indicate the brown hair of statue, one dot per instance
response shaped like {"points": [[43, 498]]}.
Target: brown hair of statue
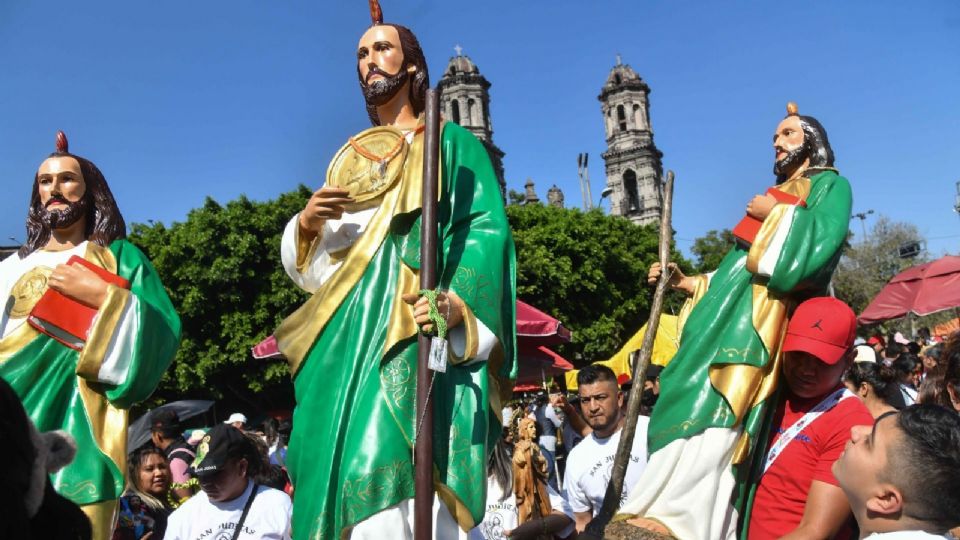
{"points": [[104, 222]]}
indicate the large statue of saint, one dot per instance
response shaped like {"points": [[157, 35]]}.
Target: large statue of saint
{"points": [[715, 394], [352, 346], [84, 388]]}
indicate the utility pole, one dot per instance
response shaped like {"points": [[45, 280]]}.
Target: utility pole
{"points": [[862, 216], [584, 175]]}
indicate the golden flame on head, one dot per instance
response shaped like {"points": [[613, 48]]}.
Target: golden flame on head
{"points": [[792, 108]]}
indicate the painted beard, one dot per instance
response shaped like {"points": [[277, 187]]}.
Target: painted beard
{"points": [[61, 219], [793, 159], [382, 91]]}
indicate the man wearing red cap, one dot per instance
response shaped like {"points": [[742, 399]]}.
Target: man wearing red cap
{"points": [[797, 495]]}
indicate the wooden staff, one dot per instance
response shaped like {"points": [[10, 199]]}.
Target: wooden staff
{"points": [[639, 361], [423, 451]]}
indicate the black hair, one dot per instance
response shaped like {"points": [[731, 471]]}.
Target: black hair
{"points": [[816, 141], [595, 373], [893, 349], [926, 466], [270, 428], [905, 364], [500, 467], [934, 351], [881, 378], [913, 347], [166, 423]]}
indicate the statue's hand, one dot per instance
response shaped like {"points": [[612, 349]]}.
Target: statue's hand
{"points": [[678, 280], [325, 203], [761, 205], [80, 283], [449, 305]]}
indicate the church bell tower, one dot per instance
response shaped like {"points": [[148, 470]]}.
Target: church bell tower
{"points": [[633, 167], [465, 100]]}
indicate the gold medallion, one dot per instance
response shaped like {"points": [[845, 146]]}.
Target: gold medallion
{"points": [[369, 164], [28, 290]]}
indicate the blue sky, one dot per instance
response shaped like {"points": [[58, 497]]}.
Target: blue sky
{"points": [[179, 100]]}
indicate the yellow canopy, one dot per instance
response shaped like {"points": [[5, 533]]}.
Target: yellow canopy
{"points": [[664, 347]]}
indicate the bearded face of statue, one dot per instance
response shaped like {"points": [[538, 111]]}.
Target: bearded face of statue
{"points": [[789, 146], [381, 65], [62, 191]]}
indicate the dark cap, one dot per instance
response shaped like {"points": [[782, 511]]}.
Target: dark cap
{"points": [[165, 422], [824, 327], [220, 444]]}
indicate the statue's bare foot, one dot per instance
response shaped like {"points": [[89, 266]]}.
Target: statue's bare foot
{"points": [[637, 529]]}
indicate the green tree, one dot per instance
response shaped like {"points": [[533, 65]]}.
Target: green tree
{"points": [[866, 266], [589, 270], [223, 272], [711, 248]]}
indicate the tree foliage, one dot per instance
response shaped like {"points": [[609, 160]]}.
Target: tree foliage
{"points": [[868, 265], [711, 248], [222, 269], [587, 269]]}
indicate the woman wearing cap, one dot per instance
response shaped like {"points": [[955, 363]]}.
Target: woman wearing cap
{"points": [[143, 505], [228, 466]]}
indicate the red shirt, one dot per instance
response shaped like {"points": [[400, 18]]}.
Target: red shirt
{"points": [[782, 493]]}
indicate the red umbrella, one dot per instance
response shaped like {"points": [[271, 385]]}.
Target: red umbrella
{"points": [[536, 327], [537, 363], [922, 290]]}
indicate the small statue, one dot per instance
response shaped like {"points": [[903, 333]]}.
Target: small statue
{"points": [[529, 474]]}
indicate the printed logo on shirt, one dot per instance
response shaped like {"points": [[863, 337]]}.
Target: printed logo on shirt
{"points": [[225, 532], [604, 469]]}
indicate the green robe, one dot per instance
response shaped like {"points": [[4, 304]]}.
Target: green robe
{"points": [[725, 371], [60, 387], [350, 450]]}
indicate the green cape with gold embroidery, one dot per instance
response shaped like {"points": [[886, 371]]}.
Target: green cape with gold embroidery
{"points": [[353, 353]]}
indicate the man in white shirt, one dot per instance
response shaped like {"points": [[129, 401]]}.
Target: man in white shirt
{"points": [[901, 474], [226, 463], [590, 463]]}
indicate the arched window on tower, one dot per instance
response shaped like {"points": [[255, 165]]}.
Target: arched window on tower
{"points": [[621, 118], [471, 111], [632, 202], [617, 79], [456, 112], [638, 117]]}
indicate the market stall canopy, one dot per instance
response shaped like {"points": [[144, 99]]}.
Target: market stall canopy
{"points": [[665, 345], [536, 364], [536, 327], [921, 290]]}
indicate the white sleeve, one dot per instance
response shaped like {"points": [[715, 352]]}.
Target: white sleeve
{"points": [[485, 342], [313, 275], [122, 347], [551, 415]]}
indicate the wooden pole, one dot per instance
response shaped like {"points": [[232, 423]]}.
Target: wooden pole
{"points": [[639, 361], [423, 451]]}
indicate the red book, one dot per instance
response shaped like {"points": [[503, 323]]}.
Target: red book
{"points": [[749, 226], [65, 319]]}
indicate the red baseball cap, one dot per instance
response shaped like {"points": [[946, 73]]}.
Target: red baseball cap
{"points": [[824, 327]]}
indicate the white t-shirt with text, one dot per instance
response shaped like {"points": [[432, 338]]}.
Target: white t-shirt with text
{"points": [[202, 519], [501, 516], [589, 467]]}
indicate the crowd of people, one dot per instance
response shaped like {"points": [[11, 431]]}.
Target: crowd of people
{"points": [[865, 439]]}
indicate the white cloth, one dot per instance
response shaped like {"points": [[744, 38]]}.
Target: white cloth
{"points": [[396, 523], [202, 519], [590, 463], [909, 395], [501, 515], [907, 535], [116, 362], [688, 504]]}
